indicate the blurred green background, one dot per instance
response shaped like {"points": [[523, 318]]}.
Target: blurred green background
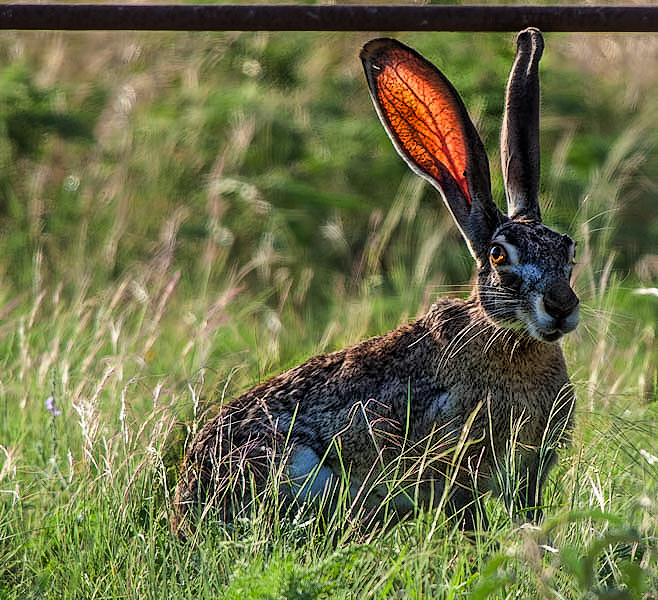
{"points": [[253, 163]]}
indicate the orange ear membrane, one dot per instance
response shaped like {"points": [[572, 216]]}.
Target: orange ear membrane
{"points": [[421, 109]]}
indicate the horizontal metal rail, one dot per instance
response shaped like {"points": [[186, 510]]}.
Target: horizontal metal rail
{"points": [[160, 17]]}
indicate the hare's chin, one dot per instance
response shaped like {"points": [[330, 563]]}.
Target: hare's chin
{"points": [[552, 336]]}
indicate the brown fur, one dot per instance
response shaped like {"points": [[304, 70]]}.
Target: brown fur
{"points": [[375, 387]]}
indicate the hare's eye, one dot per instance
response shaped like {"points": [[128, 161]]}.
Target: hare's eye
{"points": [[498, 255]]}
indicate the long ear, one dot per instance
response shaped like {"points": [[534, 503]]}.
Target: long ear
{"points": [[430, 128], [519, 142]]}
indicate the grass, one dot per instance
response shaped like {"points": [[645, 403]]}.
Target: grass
{"points": [[155, 262], [86, 493]]}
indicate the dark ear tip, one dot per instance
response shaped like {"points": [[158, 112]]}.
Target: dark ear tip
{"points": [[530, 40], [375, 47]]}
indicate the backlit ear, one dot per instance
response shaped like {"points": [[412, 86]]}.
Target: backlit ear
{"points": [[430, 128], [519, 146]]}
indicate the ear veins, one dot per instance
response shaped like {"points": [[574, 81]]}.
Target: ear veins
{"points": [[427, 125]]}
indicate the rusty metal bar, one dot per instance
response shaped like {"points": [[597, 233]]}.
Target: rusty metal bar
{"points": [[159, 17]]}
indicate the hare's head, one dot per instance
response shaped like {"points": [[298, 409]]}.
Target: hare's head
{"points": [[524, 267]]}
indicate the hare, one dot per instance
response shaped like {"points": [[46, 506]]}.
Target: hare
{"points": [[467, 398]]}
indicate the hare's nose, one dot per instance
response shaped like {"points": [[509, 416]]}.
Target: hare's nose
{"points": [[560, 300]]}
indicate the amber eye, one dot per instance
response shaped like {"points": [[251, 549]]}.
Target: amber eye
{"points": [[498, 255]]}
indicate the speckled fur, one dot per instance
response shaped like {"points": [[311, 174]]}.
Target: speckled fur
{"points": [[480, 361]]}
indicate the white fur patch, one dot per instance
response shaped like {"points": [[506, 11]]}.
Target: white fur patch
{"points": [[543, 318], [443, 402], [308, 476], [438, 410]]}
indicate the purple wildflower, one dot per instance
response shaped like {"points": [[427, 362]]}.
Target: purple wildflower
{"points": [[50, 407]]}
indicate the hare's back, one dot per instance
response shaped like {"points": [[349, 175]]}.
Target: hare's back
{"points": [[320, 398], [349, 399]]}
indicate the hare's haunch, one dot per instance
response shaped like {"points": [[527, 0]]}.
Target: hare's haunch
{"points": [[438, 411]]}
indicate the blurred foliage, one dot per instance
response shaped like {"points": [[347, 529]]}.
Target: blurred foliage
{"points": [[261, 153]]}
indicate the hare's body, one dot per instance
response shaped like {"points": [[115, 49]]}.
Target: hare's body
{"points": [[349, 411], [462, 395]]}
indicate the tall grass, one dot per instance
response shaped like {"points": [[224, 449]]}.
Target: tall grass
{"points": [[181, 217], [85, 493]]}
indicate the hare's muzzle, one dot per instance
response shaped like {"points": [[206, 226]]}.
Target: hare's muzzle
{"points": [[560, 301], [562, 306]]}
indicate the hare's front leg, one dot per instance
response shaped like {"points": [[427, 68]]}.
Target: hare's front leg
{"points": [[466, 506], [532, 474], [535, 462], [518, 478]]}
